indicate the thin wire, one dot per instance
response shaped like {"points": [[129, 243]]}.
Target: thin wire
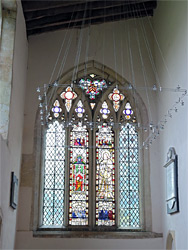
{"points": [[144, 75], [132, 70], [88, 41], [149, 50], [62, 45], [79, 46], [157, 43]]}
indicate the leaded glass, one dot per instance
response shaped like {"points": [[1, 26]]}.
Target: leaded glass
{"points": [[56, 109], [54, 172], [128, 111], [116, 97], [80, 110], [92, 87], [79, 157], [68, 95], [105, 111], [105, 177], [129, 203]]}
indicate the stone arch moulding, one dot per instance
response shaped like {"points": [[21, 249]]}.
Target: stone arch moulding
{"points": [[142, 117]]}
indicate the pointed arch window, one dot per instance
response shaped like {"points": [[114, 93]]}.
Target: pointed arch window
{"points": [[91, 160]]}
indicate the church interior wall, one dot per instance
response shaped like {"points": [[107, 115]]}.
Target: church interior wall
{"points": [[12, 147], [43, 52], [170, 26], [170, 22]]}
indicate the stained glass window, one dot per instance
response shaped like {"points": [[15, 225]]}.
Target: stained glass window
{"points": [[54, 175], [68, 95], [116, 97], [113, 174], [105, 177], [92, 88], [129, 177], [105, 111], [79, 157]]}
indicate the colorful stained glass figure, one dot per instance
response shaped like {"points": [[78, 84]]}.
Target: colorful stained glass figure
{"points": [[129, 177], [68, 95], [56, 109], [105, 111], [79, 176], [54, 173], [92, 87], [105, 177], [128, 111], [92, 104], [116, 97], [80, 110]]}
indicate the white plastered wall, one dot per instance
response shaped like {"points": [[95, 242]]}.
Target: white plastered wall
{"points": [[11, 148], [171, 27]]}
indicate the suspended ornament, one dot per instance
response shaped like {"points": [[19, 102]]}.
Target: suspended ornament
{"points": [[68, 95], [80, 110], [104, 111], [56, 109], [128, 111], [116, 97], [92, 88], [92, 104]]}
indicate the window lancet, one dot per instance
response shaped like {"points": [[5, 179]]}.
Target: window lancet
{"points": [[54, 174]]}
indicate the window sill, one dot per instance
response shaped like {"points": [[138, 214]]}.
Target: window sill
{"points": [[93, 234]]}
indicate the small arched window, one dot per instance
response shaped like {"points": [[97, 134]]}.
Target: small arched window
{"points": [[91, 168]]}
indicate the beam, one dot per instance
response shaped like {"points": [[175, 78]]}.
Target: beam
{"points": [[68, 9], [40, 30], [90, 15]]}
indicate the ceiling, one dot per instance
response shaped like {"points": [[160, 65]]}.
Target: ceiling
{"points": [[44, 16]]}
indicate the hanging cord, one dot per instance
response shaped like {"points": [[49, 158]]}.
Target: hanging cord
{"points": [[104, 19], [63, 60], [144, 75], [62, 45], [75, 71], [144, 35], [133, 90], [88, 41], [55, 66], [114, 45], [141, 24], [158, 44]]}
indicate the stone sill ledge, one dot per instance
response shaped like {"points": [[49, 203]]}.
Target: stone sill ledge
{"points": [[98, 235]]}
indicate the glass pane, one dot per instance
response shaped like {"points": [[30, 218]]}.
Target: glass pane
{"points": [[79, 157], [105, 177], [129, 178], [54, 168]]}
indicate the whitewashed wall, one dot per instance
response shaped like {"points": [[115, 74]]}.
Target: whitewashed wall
{"points": [[171, 28], [11, 148]]}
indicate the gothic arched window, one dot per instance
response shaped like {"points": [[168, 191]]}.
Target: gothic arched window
{"points": [[91, 158]]}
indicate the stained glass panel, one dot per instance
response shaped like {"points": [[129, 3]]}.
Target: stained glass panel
{"points": [[54, 172], [129, 178], [92, 88], [116, 97], [68, 95], [79, 157], [105, 177]]}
